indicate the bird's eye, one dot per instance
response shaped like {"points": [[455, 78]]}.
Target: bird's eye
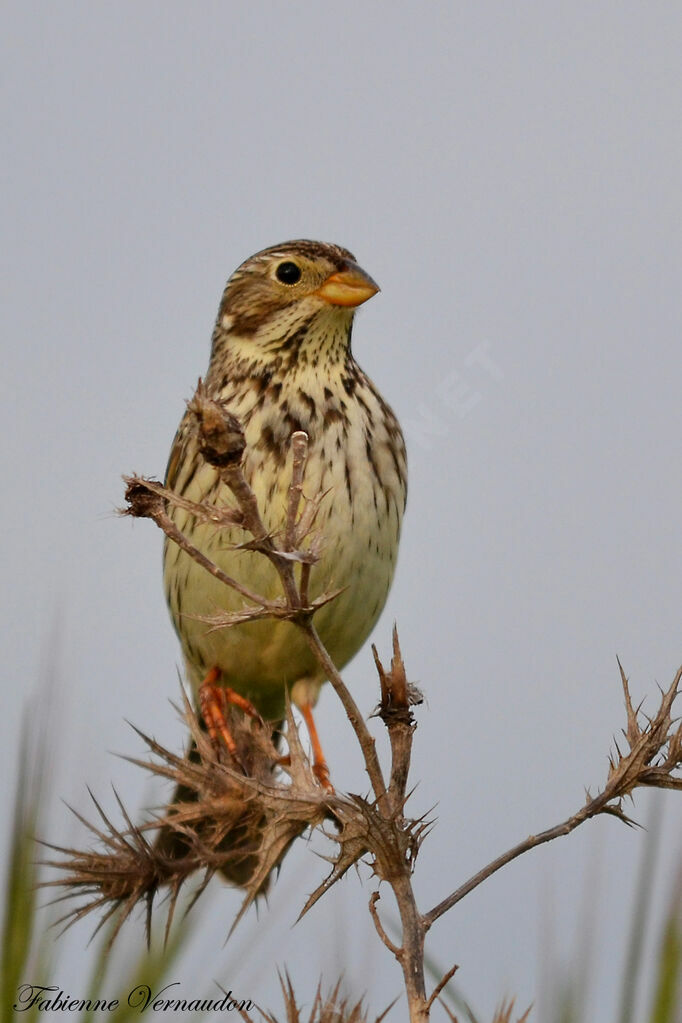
{"points": [[288, 273]]}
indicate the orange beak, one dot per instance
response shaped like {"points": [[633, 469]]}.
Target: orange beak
{"points": [[350, 287]]}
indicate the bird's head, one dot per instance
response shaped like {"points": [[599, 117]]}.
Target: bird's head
{"points": [[296, 294]]}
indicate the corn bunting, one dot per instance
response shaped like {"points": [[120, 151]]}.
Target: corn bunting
{"points": [[281, 361]]}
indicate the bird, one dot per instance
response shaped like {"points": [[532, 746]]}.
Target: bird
{"points": [[281, 361]]}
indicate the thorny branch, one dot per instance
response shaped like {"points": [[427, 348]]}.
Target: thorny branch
{"points": [[654, 754], [130, 869]]}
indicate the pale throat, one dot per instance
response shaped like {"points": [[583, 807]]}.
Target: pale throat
{"points": [[297, 347]]}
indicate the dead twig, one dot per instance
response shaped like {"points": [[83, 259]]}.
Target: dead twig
{"points": [[654, 754], [374, 913], [440, 986]]}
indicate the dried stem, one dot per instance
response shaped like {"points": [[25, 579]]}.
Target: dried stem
{"points": [[654, 753], [299, 446], [441, 985], [142, 504], [364, 736], [565, 828], [374, 913], [397, 696]]}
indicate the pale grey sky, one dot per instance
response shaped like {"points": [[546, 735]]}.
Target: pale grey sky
{"points": [[510, 176]]}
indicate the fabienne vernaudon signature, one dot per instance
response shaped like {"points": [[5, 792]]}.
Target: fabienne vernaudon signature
{"points": [[51, 998]]}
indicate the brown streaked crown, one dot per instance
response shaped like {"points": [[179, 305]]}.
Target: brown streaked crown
{"points": [[336, 254]]}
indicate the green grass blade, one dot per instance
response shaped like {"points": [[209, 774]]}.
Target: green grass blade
{"points": [[666, 1003], [634, 959], [153, 967], [21, 876]]}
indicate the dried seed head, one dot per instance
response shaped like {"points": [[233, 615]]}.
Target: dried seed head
{"points": [[141, 501], [221, 438]]}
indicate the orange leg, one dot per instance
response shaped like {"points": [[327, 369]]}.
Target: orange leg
{"points": [[214, 700], [320, 768]]}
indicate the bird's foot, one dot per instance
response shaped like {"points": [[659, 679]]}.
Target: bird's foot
{"points": [[321, 772], [320, 768], [214, 700]]}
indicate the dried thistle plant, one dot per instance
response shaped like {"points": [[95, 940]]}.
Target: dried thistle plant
{"points": [[269, 808], [267, 812], [331, 1008], [504, 1014]]}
